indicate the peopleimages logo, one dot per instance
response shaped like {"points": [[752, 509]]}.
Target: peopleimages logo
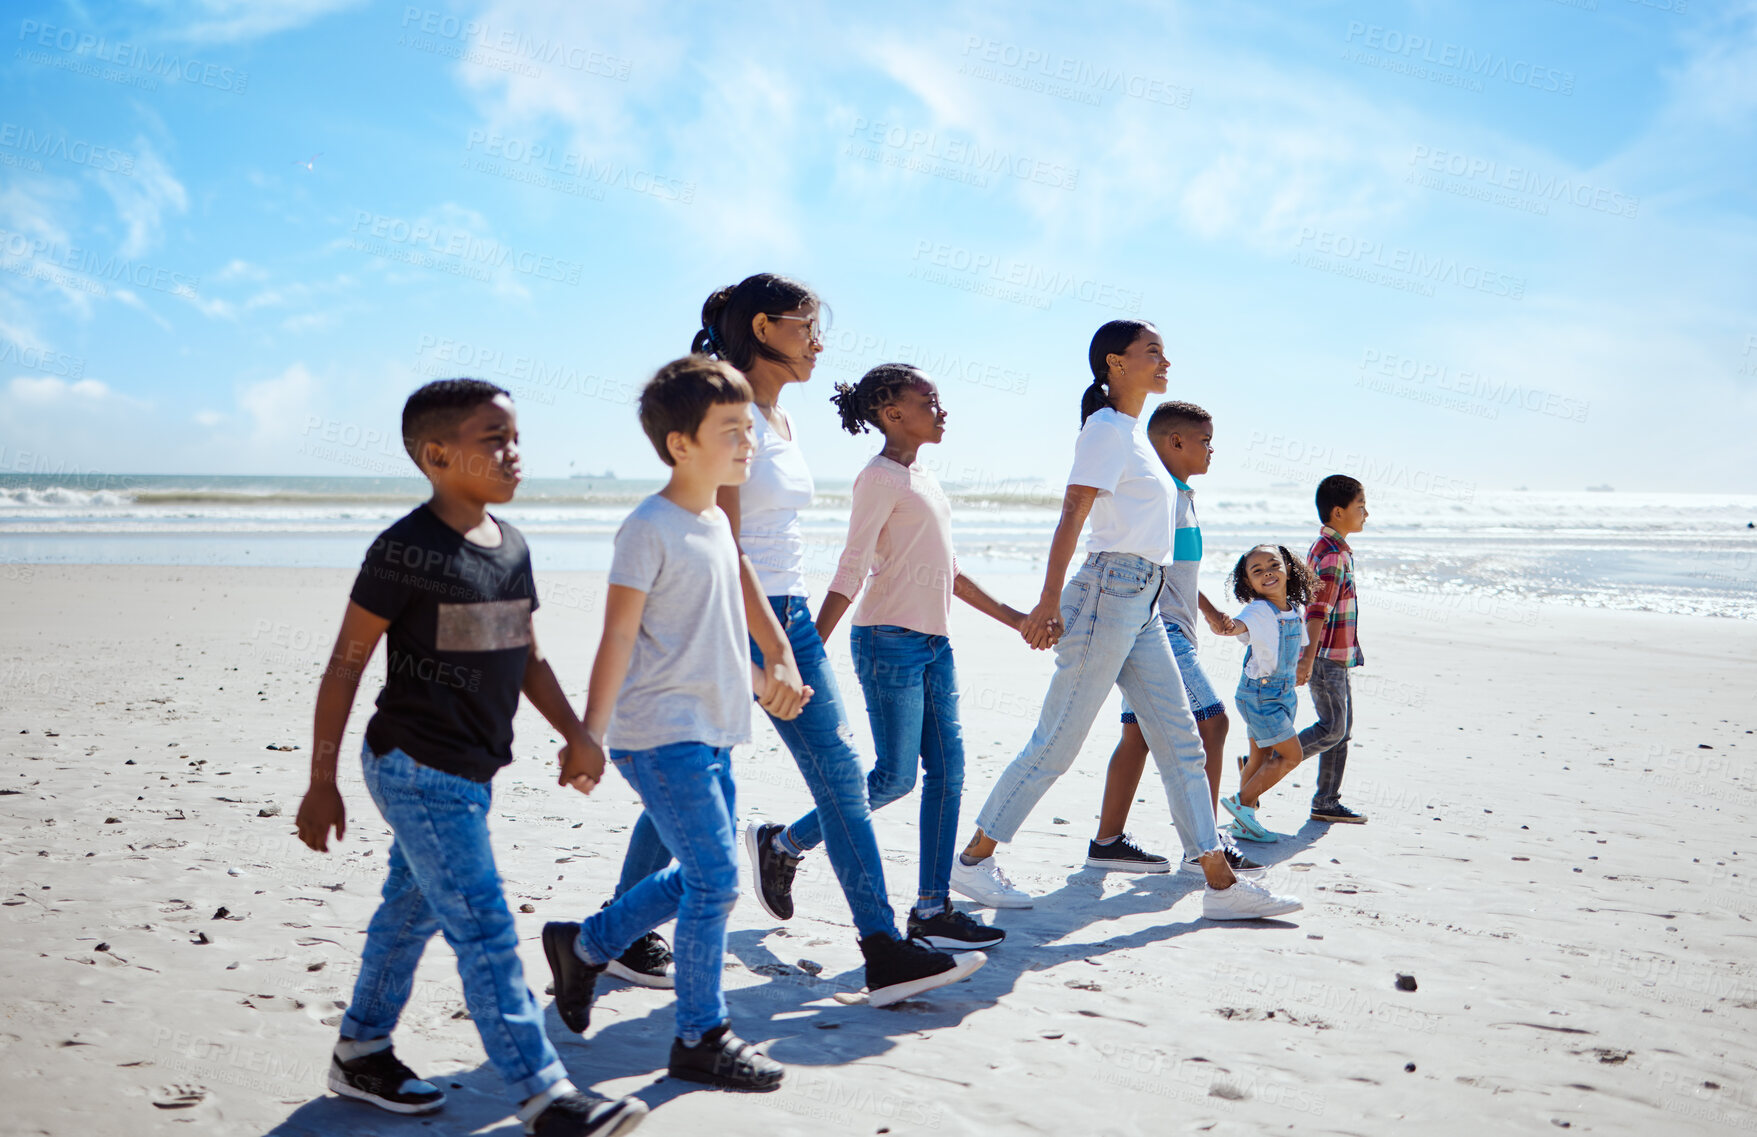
{"points": [[1410, 263], [129, 57], [1406, 49]]}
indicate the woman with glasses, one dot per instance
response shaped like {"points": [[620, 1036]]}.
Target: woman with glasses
{"points": [[769, 327]]}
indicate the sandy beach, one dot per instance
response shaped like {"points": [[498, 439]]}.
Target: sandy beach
{"points": [[1560, 852]]}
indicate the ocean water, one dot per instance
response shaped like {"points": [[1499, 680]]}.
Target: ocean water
{"points": [[1493, 553]]}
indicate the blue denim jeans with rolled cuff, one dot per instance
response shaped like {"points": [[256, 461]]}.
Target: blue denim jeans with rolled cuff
{"points": [[1334, 702], [690, 799], [822, 746], [442, 878], [911, 689], [1112, 636]]}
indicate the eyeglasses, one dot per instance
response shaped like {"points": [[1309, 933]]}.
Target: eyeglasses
{"points": [[814, 328]]}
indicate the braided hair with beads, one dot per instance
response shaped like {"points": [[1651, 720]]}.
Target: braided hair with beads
{"points": [[859, 403]]}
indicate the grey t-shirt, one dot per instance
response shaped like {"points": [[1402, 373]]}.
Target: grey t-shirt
{"points": [[689, 677]]}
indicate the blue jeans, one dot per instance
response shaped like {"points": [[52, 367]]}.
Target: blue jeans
{"points": [[1329, 735], [911, 693], [822, 746], [646, 854], [687, 789], [1203, 701], [1112, 636], [442, 879]]}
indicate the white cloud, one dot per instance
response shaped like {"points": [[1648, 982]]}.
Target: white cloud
{"points": [[239, 269], [132, 300], [276, 407], [143, 199], [232, 21], [50, 390]]}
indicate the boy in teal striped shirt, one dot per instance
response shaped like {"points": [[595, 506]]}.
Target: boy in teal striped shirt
{"points": [[1183, 436]]}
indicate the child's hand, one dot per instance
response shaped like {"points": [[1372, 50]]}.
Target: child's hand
{"points": [[1223, 625], [582, 765], [1043, 627], [1303, 671], [321, 811]]}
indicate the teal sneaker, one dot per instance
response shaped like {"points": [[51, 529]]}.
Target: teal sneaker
{"points": [[1239, 833], [1246, 817]]}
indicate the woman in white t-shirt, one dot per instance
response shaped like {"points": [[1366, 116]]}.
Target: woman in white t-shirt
{"points": [[769, 327], [1107, 632]]}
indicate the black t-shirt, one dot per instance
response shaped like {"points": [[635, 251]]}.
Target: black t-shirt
{"points": [[460, 629]]}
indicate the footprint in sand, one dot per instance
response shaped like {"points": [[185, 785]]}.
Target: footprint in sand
{"points": [[179, 1097]]}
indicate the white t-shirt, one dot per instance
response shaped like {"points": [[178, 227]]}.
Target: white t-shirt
{"points": [[1262, 621], [780, 486], [1136, 508]]}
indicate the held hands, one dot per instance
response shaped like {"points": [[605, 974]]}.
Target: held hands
{"points": [[780, 691], [319, 812], [1303, 672], [582, 764], [1223, 625], [1042, 627]]}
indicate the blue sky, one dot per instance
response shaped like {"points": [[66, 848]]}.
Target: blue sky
{"points": [[1503, 243]]}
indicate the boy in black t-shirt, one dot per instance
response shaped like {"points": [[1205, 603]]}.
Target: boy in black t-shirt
{"points": [[452, 587]]}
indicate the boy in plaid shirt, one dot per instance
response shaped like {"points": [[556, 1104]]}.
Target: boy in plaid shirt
{"points": [[1332, 647]]}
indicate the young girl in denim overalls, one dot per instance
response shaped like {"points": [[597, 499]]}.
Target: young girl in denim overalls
{"points": [[1274, 586]]}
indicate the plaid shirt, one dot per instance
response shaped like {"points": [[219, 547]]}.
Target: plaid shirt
{"points": [[1334, 599]]}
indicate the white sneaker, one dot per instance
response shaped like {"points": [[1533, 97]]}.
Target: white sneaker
{"points": [[1245, 900], [985, 883]]}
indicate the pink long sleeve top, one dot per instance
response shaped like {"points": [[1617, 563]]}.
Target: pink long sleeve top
{"points": [[899, 549]]}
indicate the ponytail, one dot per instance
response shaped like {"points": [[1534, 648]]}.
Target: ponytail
{"points": [[1094, 399], [859, 403], [708, 341], [727, 314], [1113, 338]]}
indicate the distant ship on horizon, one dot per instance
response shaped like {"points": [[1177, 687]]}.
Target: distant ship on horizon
{"points": [[607, 474]]}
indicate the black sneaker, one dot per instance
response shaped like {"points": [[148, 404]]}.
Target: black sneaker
{"points": [[385, 1082], [1242, 866], [646, 963], [897, 969], [1124, 855], [771, 870], [952, 930], [576, 981], [724, 1060], [1339, 813], [580, 1114]]}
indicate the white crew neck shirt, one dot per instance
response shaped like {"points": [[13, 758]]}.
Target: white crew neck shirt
{"points": [[769, 502], [1136, 508]]}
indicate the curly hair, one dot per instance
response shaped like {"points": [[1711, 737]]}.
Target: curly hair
{"points": [[1301, 584], [859, 403]]}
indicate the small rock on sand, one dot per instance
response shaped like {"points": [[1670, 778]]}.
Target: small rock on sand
{"points": [[1405, 982]]}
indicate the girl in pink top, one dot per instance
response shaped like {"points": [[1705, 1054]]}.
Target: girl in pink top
{"points": [[899, 551]]}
